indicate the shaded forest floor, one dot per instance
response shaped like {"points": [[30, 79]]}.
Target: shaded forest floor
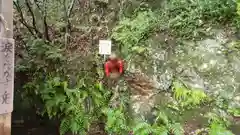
{"points": [[31, 124]]}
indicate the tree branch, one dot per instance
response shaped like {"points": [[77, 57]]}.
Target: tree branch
{"points": [[70, 8], [22, 20], [66, 39], [27, 2], [44, 14], [36, 2], [68, 12], [46, 35]]}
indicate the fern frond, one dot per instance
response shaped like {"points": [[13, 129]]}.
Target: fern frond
{"points": [[176, 129], [198, 96], [64, 126], [218, 129], [116, 121], [160, 130], [162, 117], [142, 129], [180, 92]]}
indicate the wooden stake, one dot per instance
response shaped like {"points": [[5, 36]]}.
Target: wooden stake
{"points": [[6, 10]]}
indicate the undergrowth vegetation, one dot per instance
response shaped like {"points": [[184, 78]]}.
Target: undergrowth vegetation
{"points": [[70, 83], [188, 97], [190, 18], [131, 31]]}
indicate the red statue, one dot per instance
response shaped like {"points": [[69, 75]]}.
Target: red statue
{"points": [[113, 67]]}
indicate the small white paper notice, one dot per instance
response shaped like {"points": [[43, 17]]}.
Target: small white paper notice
{"points": [[105, 47]]}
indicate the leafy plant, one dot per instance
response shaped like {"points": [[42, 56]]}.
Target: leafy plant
{"points": [[78, 107], [162, 125], [130, 31], [234, 111], [38, 55], [48, 61], [188, 97], [218, 126], [238, 7], [116, 122], [191, 19], [218, 129]]}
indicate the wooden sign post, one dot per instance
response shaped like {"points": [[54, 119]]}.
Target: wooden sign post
{"points": [[6, 65]]}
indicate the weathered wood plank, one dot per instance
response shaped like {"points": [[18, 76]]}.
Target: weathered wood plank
{"points": [[6, 75], [7, 78]]}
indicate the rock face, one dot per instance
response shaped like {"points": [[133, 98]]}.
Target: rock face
{"points": [[210, 64]]}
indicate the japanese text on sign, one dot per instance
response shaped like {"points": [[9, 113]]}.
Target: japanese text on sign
{"points": [[6, 74]]}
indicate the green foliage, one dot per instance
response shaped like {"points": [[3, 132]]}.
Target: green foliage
{"points": [[190, 19], [218, 125], [38, 55], [188, 97], [139, 49], [78, 107], [238, 7], [164, 125], [116, 122], [218, 117], [161, 126], [227, 105], [234, 111], [77, 123], [143, 128], [218, 129], [218, 122], [130, 31]]}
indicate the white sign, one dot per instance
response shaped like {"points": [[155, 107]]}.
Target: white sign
{"points": [[105, 47]]}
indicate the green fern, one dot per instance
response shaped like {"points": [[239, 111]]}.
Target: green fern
{"points": [[77, 124], [238, 7], [77, 106], [129, 32], [159, 130], [218, 129], [163, 125], [64, 126], [116, 122], [180, 92], [234, 111], [162, 118], [142, 129], [176, 129], [196, 97], [188, 97]]}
